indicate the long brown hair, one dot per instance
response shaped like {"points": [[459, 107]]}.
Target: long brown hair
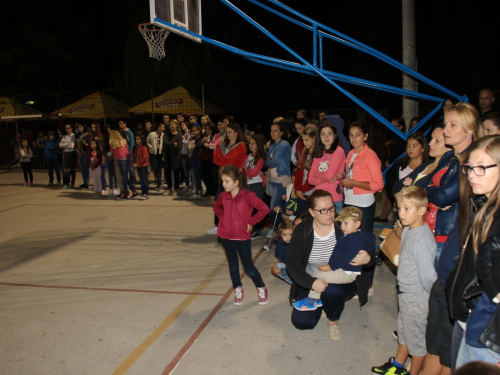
{"points": [[310, 131], [481, 223]]}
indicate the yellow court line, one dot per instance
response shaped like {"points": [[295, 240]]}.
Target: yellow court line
{"points": [[141, 349]]}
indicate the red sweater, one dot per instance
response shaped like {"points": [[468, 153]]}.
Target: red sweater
{"points": [[235, 214], [237, 155], [143, 156]]}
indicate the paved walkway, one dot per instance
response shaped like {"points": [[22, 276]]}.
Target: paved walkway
{"points": [[112, 287]]}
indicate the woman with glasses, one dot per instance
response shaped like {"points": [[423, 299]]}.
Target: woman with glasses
{"points": [[311, 245], [474, 283]]}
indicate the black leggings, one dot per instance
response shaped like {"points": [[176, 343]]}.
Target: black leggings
{"points": [[69, 163], [27, 171]]}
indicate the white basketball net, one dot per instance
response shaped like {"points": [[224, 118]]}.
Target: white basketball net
{"points": [[155, 37]]}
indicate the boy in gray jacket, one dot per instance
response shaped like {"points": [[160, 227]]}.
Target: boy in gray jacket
{"points": [[416, 275]]}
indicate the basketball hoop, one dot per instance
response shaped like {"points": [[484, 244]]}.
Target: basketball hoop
{"points": [[155, 37]]}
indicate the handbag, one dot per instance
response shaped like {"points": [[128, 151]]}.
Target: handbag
{"points": [[391, 246]]}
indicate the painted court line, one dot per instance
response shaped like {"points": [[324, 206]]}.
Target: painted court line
{"points": [[151, 339], [175, 361], [109, 289]]}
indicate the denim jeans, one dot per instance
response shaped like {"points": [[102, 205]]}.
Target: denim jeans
{"points": [[184, 159], [84, 168], [143, 178], [131, 179], [156, 161], [233, 248], [103, 176], [468, 353], [277, 191], [196, 167], [123, 168], [52, 163], [113, 181], [284, 274], [456, 341]]}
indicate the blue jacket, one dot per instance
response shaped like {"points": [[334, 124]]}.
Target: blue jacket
{"points": [[282, 250], [51, 149], [447, 194], [347, 248], [130, 140], [282, 154]]}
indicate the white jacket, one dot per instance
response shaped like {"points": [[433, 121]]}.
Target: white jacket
{"points": [[153, 144]]}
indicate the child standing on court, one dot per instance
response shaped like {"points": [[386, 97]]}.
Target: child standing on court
{"points": [[26, 154], [339, 270], [416, 275], [94, 161], [141, 162], [234, 208]]}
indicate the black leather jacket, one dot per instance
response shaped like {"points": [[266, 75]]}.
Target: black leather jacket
{"points": [[475, 272]]}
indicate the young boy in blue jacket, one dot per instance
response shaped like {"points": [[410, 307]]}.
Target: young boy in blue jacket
{"points": [[339, 270]]}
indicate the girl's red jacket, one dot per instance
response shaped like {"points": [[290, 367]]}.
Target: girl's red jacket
{"points": [[143, 156], [235, 214]]}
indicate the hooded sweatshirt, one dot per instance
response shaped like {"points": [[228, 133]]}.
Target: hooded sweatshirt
{"points": [[347, 248]]}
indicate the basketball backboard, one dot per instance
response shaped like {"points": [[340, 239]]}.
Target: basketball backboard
{"points": [[185, 14]]}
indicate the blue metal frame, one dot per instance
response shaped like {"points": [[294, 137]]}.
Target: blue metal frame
{"points": [[320, 32]]}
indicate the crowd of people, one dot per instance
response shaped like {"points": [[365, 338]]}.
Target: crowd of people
{"points": [[316, 193]]}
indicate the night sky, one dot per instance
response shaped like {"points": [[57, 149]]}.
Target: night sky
{"points": [[61, 46]]}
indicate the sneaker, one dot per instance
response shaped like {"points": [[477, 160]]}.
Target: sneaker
{"points": [[26, 184], [303, 305], [124, 196], [71, 186], [111, 194], [255, 235], [144, 197], [50, 184], [270, 233], [238, 296], [104, 192], [389, 369], [263, 295], [212, 230], [395, 334], [168, 193], [30, 184], [174, 193], [58, 184], [115, 192], [336, 335], [134, 194], [64, 187]]}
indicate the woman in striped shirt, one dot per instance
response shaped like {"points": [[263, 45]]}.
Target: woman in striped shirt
{"points": [[312, 244]]}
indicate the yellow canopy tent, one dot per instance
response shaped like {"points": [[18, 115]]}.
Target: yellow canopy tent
{"points": [[9, 107], [96, 105], [174, 101]]}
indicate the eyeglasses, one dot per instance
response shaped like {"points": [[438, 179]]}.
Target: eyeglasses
{"points": [[479, 170], [324, 211]]}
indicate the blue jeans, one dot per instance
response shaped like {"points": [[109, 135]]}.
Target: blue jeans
{"points": [[233, 248], [84, 168], [284, 274], [103, 176], [143, 178], [113, 182], [277, 191], [438, 253], [333, 299], [196, 167], [458, 335], [184, 159], [53, 164], [123, 168], [131, 179], [338, 206], [156, 161], [468, 353]]}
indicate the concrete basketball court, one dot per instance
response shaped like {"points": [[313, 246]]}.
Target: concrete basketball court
{"points": [[127, 287]]}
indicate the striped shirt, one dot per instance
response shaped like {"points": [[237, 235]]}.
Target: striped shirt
{"points": [[321, 251]]}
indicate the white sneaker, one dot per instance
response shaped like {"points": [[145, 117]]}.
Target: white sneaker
{"points": [[103, 192], [212, 230]]}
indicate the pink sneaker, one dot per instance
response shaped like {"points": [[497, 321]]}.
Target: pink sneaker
{"points": [[263, 295], [238, 296]]}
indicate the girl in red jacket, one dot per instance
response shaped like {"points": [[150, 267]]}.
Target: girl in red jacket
{"points": [[141, 162], [234, 208]]}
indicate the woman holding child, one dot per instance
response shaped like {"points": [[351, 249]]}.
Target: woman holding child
{"points": [[311, 245]]}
